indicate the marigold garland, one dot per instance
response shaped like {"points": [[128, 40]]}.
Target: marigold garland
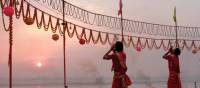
{"points": [[95, 36]]}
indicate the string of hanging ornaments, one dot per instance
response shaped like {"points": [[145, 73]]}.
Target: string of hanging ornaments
{"points": [[8, 10], [31, 14], [114, 23]]}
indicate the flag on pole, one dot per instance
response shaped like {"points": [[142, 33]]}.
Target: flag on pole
{"points": [[120, 7], [174, 17]]}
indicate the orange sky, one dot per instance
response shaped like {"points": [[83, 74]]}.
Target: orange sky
{"points": [[32, 45]]}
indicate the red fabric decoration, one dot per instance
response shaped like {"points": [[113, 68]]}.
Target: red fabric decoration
{"points": [[55, 37], [29, 21], [82, 41], [8, 11], [138, 48]]}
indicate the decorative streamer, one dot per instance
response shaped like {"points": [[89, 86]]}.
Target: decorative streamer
{"points": [[47, 21], [114, 23], [7, 9]]}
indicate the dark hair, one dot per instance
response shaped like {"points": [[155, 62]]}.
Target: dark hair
{"points": [[119, 46], [177, 51]]}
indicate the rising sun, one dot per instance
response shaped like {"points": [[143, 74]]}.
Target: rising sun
{"points": [[39, 64]]}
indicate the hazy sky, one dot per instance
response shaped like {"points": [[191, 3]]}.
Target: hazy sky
{"points": [[32, 45]]}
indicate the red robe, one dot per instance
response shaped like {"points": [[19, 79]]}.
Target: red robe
{"points": [[174, 72], [120, 78]]}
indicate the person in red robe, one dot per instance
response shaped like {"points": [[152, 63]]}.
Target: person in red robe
{"points": [[174, 69], [118, 57]]}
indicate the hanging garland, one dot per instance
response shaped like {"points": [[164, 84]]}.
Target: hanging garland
{"points": [[86, 35], [8, 10], [114, 22]]}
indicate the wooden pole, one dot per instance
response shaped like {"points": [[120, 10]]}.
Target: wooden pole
{"points": [[176, 35], [122, 27], [10, 46], [10, 52], [64, 50]]}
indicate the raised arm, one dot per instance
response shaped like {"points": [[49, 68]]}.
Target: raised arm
{"points": [[107, 56], [167, 53]]}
